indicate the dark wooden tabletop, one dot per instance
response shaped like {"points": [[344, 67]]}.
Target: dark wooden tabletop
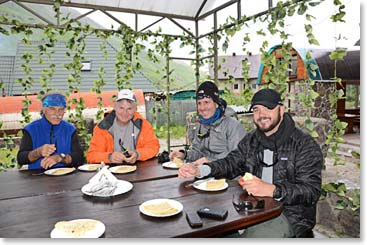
{"points": [[27, 184], [31, 205]]}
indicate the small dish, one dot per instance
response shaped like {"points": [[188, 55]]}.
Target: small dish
{"points": [[122, 187], [170, 165], [122, 169], [59, 171], [203, 185], [161, 207], [89, 167], [98, 228]]}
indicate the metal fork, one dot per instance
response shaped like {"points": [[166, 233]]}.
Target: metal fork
{"points": [[198, 182], [36, 174]]}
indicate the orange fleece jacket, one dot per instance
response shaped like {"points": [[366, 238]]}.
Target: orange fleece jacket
{"points": [[101, 143]]}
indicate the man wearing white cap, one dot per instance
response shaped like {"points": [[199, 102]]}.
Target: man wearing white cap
{"points": [[123, 135]]}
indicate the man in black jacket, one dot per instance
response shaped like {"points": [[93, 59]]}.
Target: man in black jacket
{"points": [[285, 162]]}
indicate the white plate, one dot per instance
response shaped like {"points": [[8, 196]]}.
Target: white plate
{"points": [[95, 233], [171, 165], [114, 169], [54, 171], [123, 186], [89, 167], [173, 203], [202, 186]]}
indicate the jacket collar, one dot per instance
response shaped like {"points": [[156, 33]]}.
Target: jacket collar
{"points": [[107, 122], [285, 130]]}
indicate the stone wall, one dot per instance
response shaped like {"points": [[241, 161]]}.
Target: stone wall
{"points": [[345, 222], [321, 126], [323, 107]]}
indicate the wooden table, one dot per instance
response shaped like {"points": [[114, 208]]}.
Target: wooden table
{"points": [[31, 205]]}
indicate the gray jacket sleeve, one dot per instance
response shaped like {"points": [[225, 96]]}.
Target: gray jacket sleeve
{"points": [[223, 138]]}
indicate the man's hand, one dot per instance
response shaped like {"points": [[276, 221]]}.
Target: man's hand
{"points": [[188, 170], [200, 161], [257, 187], [133, 157], [49, 161], [117, 157], [46, 150], [177, 154]]}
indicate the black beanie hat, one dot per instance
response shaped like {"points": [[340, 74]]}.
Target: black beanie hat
{"points": [[208, 89]]}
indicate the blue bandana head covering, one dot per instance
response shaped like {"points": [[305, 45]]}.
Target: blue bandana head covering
{"points": [[54, 100]]}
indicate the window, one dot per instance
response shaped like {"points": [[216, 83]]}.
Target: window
{"points": [[86, 66], [235, 86], [293, 66], [353, 100]]}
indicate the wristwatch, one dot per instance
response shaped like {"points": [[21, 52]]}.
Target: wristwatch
{"points": [[277, 194], [63, 156]]}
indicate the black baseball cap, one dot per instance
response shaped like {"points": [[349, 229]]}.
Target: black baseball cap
{"points": [[266, 97]]}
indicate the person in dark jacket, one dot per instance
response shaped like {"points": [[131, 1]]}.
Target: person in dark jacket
{"points": [[50, 142], [285, 162]]}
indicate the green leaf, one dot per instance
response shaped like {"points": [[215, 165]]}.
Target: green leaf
{"points": [[302, 9], [313, 67], [340, 205], [338, 54], [314, 134], [330, 187], [356, 154]]}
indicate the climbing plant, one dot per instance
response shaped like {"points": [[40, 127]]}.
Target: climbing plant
{"points": [[100, 82], [127, 62], [75, 45]]}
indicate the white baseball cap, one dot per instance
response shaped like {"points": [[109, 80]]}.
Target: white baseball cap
{"points": [[126, 94]]}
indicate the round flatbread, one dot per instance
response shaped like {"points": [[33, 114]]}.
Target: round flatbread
{"points": [[79, 228], [177, 161], [161, 207], [123, 169], [215, 184], [59, 171]]}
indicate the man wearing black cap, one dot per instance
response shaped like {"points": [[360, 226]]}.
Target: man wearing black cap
{"points": [[285, 162], [216, 133]]}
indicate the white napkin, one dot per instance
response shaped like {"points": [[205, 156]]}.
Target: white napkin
{"points": [[103, 175], [103, 183]]}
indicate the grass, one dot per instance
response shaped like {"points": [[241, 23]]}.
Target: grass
{"points": [[177, 131]]}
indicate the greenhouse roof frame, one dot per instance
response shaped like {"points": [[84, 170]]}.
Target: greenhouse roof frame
{"points": [[188, 10], [174, 11]]}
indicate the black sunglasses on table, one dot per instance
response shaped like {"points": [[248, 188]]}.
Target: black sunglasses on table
{"points": [[247, 206]]}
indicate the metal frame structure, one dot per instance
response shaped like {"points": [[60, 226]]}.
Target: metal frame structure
{"points": [[104, 7]]}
